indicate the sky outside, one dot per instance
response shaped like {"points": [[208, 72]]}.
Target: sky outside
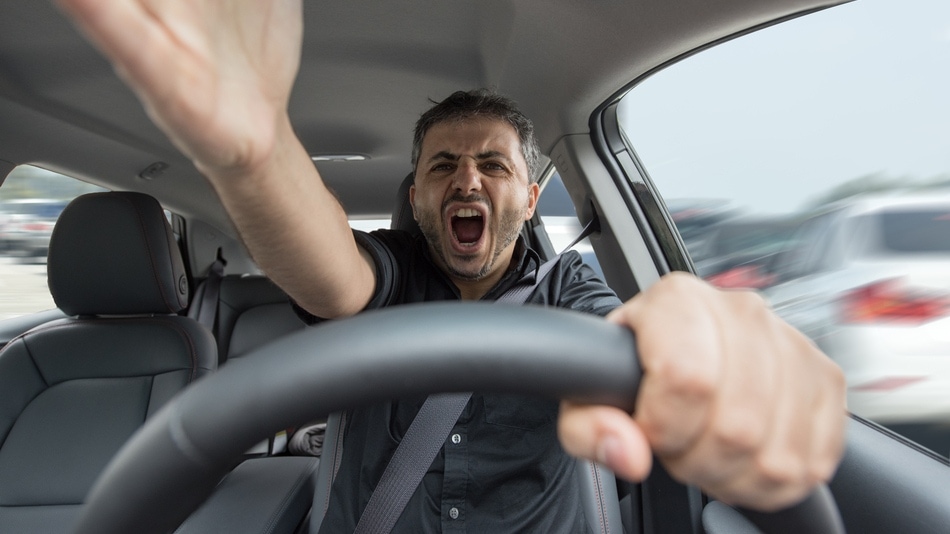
{"points": [[778, 117]]}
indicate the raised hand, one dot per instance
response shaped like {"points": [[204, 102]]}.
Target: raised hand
{"points": [[215, 75]]}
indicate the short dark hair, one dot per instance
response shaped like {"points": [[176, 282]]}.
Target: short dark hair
{"points": [[481, 103]]}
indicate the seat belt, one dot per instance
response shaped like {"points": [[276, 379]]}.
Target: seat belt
{"points": [[208, 311], [425, 436]]}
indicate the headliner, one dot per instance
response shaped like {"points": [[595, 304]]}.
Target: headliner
{"points": [[367, 72]]}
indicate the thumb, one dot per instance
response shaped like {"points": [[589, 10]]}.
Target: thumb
{"points": [[606, 435]]}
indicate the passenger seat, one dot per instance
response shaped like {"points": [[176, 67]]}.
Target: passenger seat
{"points": [[72, 391]]}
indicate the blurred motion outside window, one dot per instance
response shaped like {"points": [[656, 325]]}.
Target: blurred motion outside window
{"points": [[31, 200], [915, 231], [826, 141]]}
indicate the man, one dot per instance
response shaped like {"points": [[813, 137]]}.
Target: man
{"points": [[733, 399], [504, 470]]}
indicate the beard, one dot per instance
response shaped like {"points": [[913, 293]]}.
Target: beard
{"points": [[505, 232]]}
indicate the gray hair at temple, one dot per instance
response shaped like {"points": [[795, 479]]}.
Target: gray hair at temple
{"points": [[482, 103]]}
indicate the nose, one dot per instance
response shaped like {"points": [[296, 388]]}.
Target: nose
{"points": [[467, 177]]}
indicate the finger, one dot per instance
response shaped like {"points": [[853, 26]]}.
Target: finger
{"points": [[741, 419], [118, 28], [606, 435], [773, 473], [829, 425], [680, 372], [785, 468]]}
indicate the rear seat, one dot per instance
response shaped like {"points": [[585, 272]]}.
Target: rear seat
{"points": [[265, 493], [252, 311]]}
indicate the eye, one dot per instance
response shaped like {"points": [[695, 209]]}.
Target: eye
{"points": [[493, 167], [443, 167]]}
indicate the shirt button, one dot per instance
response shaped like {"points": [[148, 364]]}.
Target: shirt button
{"points": [[456, 439], [454, 513]]}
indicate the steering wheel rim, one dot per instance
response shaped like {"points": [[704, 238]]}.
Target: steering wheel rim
{"points": [[173, 463]]}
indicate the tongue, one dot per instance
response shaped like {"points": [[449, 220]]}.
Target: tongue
{"points": [[467, 229]]}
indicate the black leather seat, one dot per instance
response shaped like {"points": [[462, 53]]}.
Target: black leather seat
{"points": [[73, 390], [250, 311]]}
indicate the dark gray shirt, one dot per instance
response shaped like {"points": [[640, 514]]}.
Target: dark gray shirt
{"points": [[503, 469]]}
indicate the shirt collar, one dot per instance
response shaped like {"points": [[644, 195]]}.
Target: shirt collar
{"points": [[524, 270]]}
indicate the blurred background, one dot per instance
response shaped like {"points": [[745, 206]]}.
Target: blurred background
{"points": [[819, 175]]}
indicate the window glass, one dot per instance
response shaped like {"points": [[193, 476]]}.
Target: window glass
{"points": [[31, 200], [561, 223], [924, 231], [845, 111]]}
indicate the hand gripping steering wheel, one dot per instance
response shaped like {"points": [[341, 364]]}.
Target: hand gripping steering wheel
{"points": [[173, 463]]}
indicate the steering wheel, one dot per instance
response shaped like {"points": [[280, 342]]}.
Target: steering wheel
{"points": [[173, 463]]}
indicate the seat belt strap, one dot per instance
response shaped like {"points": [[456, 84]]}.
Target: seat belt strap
{"points": [[411, 460], [424, 438], [208, 312]]}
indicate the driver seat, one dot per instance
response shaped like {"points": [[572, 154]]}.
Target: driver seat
{"points": [[73, 390], [598, 486]]}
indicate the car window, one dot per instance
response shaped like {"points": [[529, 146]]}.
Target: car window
{"points": [[31, 200], [913, 232], [854, 121], [561, 222]]}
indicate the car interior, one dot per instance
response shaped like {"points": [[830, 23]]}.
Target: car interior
{"points": [[159, 390]]}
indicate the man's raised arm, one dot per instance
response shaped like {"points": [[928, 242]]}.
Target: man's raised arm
{"points": [[216, 76]]}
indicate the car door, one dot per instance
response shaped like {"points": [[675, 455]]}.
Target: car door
{"points": [[779, 121]]}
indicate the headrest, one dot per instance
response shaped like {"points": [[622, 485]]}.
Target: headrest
{"points": [[402, 211], [114, 254]]}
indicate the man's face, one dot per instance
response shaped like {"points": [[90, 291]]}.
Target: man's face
{"points": [[472, 195]]}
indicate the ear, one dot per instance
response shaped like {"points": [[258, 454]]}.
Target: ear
{"points": [[534, 191], [412, 201]]}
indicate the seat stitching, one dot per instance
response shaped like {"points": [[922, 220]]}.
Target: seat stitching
{"points": [[598, 494], [148, 247], [337, 458]]}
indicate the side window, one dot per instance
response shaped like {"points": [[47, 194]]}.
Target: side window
{"points": [[560, 220], [31, 200], [765, 129]]}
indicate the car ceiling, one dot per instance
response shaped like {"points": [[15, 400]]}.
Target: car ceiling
{"points": [[367, 72]]}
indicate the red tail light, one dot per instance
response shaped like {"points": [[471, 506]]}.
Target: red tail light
{"points": [[37, 226], [891, 301], [742, 277]]}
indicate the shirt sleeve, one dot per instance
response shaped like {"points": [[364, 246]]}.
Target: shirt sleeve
{"points": [[386, 273], [580, 288]]}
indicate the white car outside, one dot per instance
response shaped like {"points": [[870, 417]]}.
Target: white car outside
{"points": [[869, 281]]}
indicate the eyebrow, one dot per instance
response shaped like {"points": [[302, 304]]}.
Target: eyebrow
{"points": [[488, 154]]}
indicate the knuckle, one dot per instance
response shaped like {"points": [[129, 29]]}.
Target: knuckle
{"points": [[685, 380], [749, 303], [740, 432], [836, 376], [779, 468], [681, 282]]}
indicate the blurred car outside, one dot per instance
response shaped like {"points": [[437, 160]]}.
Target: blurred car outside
{"points": [[868, 280], [26, 226], [740, 252], [694, 217]]}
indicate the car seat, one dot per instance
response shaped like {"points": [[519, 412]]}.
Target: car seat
{"points": [[251, 311], [598, 487], [73, 390]]}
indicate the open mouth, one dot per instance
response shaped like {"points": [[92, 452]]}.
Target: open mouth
{"points": [[467, 226]]}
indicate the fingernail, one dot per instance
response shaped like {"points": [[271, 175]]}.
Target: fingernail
{"points": [[608, 450]]}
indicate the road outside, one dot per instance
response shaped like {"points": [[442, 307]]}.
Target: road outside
{"points": [[23, 288]]}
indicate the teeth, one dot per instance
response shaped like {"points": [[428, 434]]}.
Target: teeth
{"points": [[466, 212]]}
